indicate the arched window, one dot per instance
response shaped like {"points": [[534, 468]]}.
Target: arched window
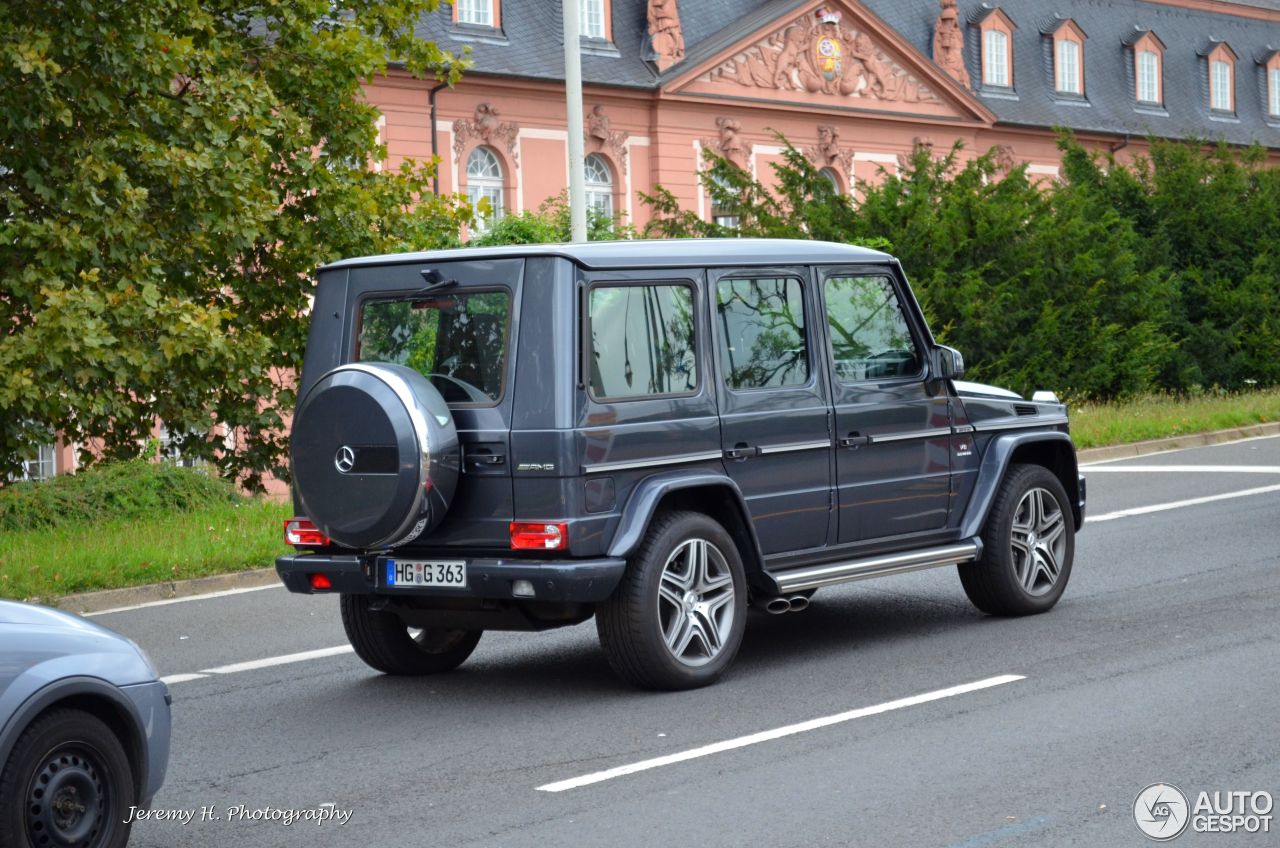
{"points": [[995, 60], [599, 185], [831, 177], [1068, 67], [484, 182], [1148, 77]]}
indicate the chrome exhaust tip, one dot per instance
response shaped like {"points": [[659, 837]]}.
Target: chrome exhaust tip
{"points": [[777, 606], [796, 603]]}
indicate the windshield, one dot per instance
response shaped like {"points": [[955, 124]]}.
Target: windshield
{"points": [[456, 340]]}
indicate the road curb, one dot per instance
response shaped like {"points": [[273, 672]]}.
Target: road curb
{"points": [[1191, 440], [132, 596], [112, 598]]}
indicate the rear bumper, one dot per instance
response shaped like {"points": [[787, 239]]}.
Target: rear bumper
{"points": [[572, 581]]}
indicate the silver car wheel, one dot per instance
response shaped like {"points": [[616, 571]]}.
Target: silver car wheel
{"points": [[695, 602], [1038, 541]]}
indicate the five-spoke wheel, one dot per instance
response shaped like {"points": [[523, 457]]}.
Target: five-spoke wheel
{"points": [[1028, 546], [676, 619]]}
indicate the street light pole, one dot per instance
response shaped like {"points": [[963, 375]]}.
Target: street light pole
{"points": [[573, 98]]}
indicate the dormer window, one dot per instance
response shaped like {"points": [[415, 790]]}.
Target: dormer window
{"points": [[595, 15], [476, 12], [1222, 78], [1068, 67], [996, 33], [1148, 66], [1148, 77], [1271, 66]]}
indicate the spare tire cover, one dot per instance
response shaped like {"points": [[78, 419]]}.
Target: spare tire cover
{"points": [[375, 455]]}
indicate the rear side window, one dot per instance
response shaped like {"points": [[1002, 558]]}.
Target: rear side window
{"points": [[458, 341], [642, 341], [762, 338], [870, 337]]}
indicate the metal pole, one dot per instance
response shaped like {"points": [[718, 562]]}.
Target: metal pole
{"points": [[573, 100], [435, 143]]}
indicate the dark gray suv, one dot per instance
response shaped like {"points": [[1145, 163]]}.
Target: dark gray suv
{"points": [[658, 434]]}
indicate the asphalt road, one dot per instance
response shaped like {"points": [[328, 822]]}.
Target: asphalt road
{"points": [[1161, 664]]}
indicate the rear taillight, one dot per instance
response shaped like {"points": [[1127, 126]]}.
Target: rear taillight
{"points": [[301, 533], [537, 536], [320, 582]]}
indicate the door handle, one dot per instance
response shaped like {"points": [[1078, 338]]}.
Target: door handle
{"points": [[741, 451], [486, 458], [854, 440]]}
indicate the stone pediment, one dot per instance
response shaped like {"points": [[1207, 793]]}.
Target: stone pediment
{"points": [[836, 55]]}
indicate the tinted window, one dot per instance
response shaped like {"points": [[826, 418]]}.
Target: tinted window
{"points": [[459, 341], [870, 337], [642, 341], [762, 341]]}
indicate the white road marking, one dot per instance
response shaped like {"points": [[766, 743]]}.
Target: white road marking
{"points": [[1190, 469], [206, 596], [181, 678], [1143, 510], [286, 659], [778, 733]]}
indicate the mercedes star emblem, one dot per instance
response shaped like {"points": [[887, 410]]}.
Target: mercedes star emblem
{"points": [[345, 459]]}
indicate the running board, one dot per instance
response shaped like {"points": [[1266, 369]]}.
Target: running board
{"points": [[799, 579]]}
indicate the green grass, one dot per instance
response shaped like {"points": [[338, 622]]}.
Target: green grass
{"points": [[49, 562], [1160, 416]]}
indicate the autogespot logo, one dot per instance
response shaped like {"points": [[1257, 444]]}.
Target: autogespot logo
{"points": [[1161, 812], [345, 459]]}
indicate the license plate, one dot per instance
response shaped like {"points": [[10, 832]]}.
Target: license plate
{"points": [[405, 573]]}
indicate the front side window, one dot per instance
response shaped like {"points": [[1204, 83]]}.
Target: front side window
{"points": [[642, 341], [995, 59], [1069, 67], [762, 336], [478, 12], [593, 18], [870, 336], [1148, 77], [1220, 87], [599, 185], [484, 182], [457, 340]]}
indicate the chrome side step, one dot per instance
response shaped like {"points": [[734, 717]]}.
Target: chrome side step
{"points": [[811, 577]]}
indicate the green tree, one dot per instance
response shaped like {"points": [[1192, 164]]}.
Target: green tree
{"points": [[171, 174]]}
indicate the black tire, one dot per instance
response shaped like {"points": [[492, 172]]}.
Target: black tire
{"points": [[67, 782], [1016, 579], [636, 621], [385, 642]]}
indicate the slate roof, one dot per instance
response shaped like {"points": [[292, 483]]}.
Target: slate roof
{"points": [[530, 45]]}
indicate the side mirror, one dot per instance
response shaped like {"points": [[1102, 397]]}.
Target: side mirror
{"points": [[947, 364]]}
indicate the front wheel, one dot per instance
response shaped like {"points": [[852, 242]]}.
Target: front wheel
{"points": [[386, 643], [67, 782], [1028, 546], [677, 618]]}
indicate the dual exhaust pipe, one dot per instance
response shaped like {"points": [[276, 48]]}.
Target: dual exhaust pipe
{"points": [[779, 605]]}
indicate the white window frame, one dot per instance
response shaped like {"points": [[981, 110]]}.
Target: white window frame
{"points": [[599, 182], [995, 58], [1273, 92], [475, 12], [42, 466], [1220, 85], [485, 179], [592, 19], [1067, 64], [830, 176], [1148, 76]]}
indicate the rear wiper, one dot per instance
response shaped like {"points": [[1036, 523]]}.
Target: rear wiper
{"points": [[435, 281]]}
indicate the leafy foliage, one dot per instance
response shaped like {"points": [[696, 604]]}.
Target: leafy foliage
{"points": [[550, 225], [171, 173], [1162, 274]]}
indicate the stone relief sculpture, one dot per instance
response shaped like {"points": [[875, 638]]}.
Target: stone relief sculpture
{"points": [[819, 54], [827, 153], [730, 144], [601, 137], [485, 128], [666, 39], [920, 142], [948, 43]]}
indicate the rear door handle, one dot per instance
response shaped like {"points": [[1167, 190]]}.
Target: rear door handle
{"points": [[854, 440]]}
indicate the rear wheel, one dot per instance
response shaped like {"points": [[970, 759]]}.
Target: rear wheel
{"points": [[1028, 546], [386, 643], [67, 782], [676, 619]]}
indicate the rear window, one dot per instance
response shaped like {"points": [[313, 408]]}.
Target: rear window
{"points": [[456, 340]]}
